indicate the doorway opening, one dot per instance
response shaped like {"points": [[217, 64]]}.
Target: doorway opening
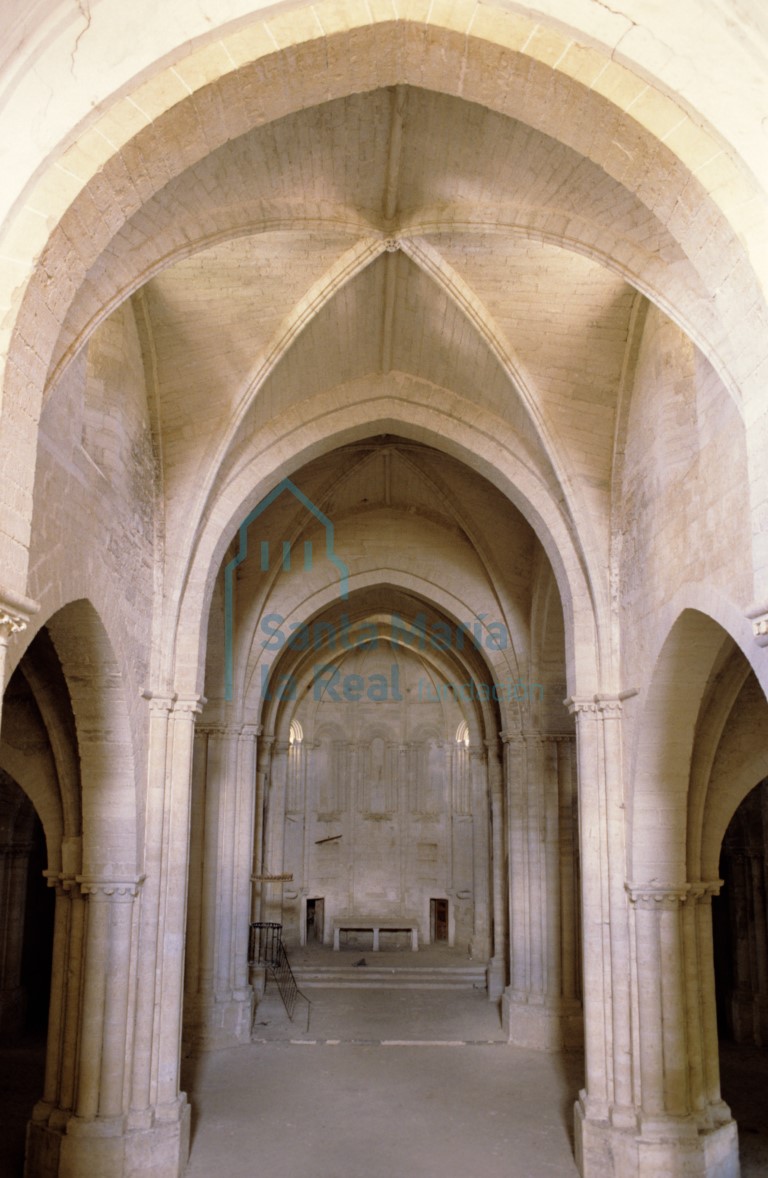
{"points": [[740, 940], [438, 920], [315, 921]]}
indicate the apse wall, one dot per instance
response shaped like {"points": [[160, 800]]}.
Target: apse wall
{"points": [[381, 815]]}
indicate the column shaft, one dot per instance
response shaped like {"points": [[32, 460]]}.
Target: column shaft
{"points": [[174, 897]]}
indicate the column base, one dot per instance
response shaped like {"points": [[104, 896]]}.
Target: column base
{"points": [[105, 1146], [532, 1021], [221, 1021], [495, 978], [678, 1146], [479, 946]]}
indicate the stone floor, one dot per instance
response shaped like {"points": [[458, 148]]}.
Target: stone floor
{"points": [[348, 1098], [352, 1110]]}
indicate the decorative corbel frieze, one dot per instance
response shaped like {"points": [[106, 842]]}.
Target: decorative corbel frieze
{"points": [[758, 616], [110, 889], [657, 896], [15, 612], [599, 705]]}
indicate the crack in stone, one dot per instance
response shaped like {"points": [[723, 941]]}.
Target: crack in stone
{"points": [[85, 12], [632, 24]]}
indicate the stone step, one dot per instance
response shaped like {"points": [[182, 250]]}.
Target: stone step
{"points": [[467, 977]]}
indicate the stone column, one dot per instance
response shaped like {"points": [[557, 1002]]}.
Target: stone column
{"points": [[535, 1011], [263, 771], [703, 1045], [106, 986], [684, 1127], [481, 867], [171, 1103], [218, 993], [274, 833], [651, 1103], [111, 1102], [159, 1113], [245, 819], [95, 1138], [517, 875], [156, 866], [497, 966], [605, 1108], [53, 1110], [569, 872]]}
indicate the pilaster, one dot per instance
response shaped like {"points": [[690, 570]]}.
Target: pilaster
{"points": [[481, 865], [81, 1124], [537, 1011], [497, 966], [607, 1099], [218, 994]]}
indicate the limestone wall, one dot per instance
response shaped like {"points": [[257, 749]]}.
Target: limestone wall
{"points": [[681, 510]]}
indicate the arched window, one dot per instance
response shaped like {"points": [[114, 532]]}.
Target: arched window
{"points": [[295, 733], [462, 734]]}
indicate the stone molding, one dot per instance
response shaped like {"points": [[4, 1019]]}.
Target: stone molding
{"points": [[656, 897], [758, 616], [523, 738], [115, 890], [164, 703], [597, 705], [249, 731], [15, 612], [158, 704], [705, 889], [238, 731], [671, 895], [186, 704]]}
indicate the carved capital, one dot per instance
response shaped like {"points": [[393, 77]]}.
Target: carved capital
{"points": [[216, 730], [610, 706], [250, 731], [11, 623], [583, 707], [705, 889], [758, 616], [600, 706], [64, 882], [189, 705], [159, 703], [114, 890], [15, 612], [657, 896]]}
